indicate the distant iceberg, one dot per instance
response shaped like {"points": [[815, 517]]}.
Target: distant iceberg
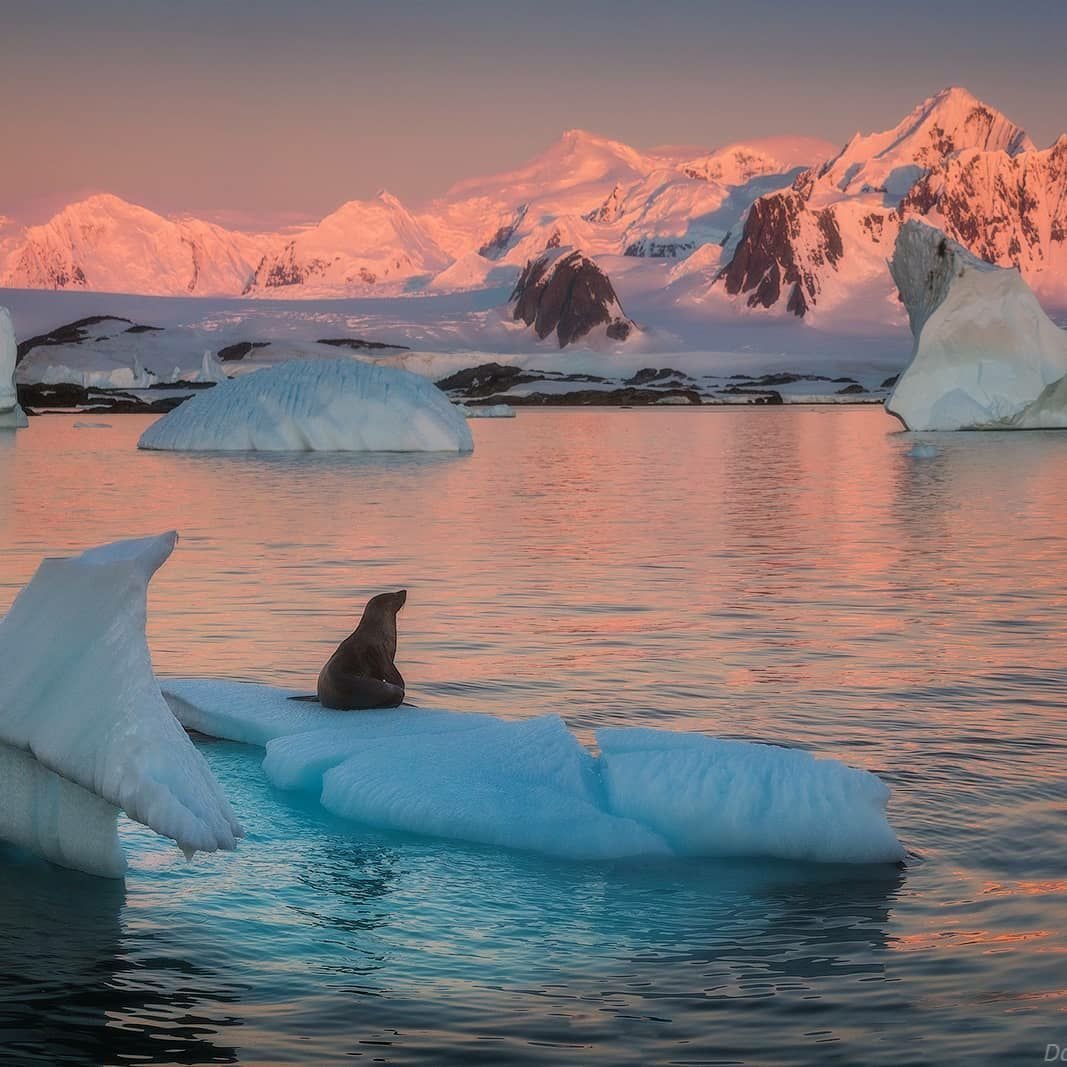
{"points": [[328, 406], [530, 784], [488, 411], [84, 729], [11, 415], [985, 356]]}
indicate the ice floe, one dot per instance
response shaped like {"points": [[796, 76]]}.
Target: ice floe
{"points": [[530, 784]]}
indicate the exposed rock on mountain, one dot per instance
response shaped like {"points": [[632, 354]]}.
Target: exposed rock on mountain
{"points": [[1007, 209], [954, 160], [569, 295], [782, 248]]}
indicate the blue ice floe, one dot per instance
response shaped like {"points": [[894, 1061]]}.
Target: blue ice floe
{"points": [[530, 783]]}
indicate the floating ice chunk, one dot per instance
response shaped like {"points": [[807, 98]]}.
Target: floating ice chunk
{"points": [[922, 450], [985, 355], [257, 714], [712, 797], [80, 698], [530, 784], [488, 411], [323, 405], [11, 415]]}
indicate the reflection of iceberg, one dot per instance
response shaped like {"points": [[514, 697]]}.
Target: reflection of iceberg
{"points": [[11, 415], [323, 405], [84, 730], [83, 981], [530, 784], [985, 354]]}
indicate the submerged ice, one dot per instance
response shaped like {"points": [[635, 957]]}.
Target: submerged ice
{"points": [[339, 405], [530, 784], [84, 729]]}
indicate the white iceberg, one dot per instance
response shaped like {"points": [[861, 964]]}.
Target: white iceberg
{"points": [[530, 784], [985, 355], [84, 729], [11, 415], [330, 406]]}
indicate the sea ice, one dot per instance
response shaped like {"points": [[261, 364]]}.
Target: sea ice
{"points": [[332, 406], [985, 355], [11, 415], [529, 784], [84, 728]]}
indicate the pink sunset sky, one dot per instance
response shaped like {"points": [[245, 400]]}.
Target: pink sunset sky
{"points": [[258, 114]]}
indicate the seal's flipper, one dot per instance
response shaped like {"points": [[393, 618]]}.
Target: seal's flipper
{"points": [[310, 696]]}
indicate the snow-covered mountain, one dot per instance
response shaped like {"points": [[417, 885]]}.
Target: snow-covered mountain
{"points": [[954, 161], [105, 243], [773, 227], [363, 243]]}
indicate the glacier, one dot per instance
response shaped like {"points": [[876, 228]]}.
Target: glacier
{"points": [[11, 415], [985, 355], [111, 352], [337, 405], [530, 784], [84, 729]]}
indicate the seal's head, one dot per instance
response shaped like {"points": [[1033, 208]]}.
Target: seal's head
{"points": [[385, 604]]}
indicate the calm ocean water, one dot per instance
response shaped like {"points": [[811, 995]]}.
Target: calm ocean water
{"points": [[778, 575]]}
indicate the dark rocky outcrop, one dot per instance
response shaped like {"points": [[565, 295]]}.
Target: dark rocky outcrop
{"points": [[485, 379], [67, 397], [569, 295], [653, 374], [239, 350], [626, 397], [357, 344]]}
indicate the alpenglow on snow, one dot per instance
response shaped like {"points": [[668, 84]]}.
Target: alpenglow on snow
{"points": [[84, 729], [325, 406]]}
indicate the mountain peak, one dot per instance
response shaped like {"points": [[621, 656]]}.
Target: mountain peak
{"points": [[892, 160]]}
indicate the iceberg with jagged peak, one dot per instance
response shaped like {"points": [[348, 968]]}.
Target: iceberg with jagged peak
{"points": [[531, 784], [985, 355], [11, 415], [84, 729], [339, 405]]}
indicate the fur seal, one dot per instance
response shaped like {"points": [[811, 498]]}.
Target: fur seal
{"points": [[361, 674]]}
